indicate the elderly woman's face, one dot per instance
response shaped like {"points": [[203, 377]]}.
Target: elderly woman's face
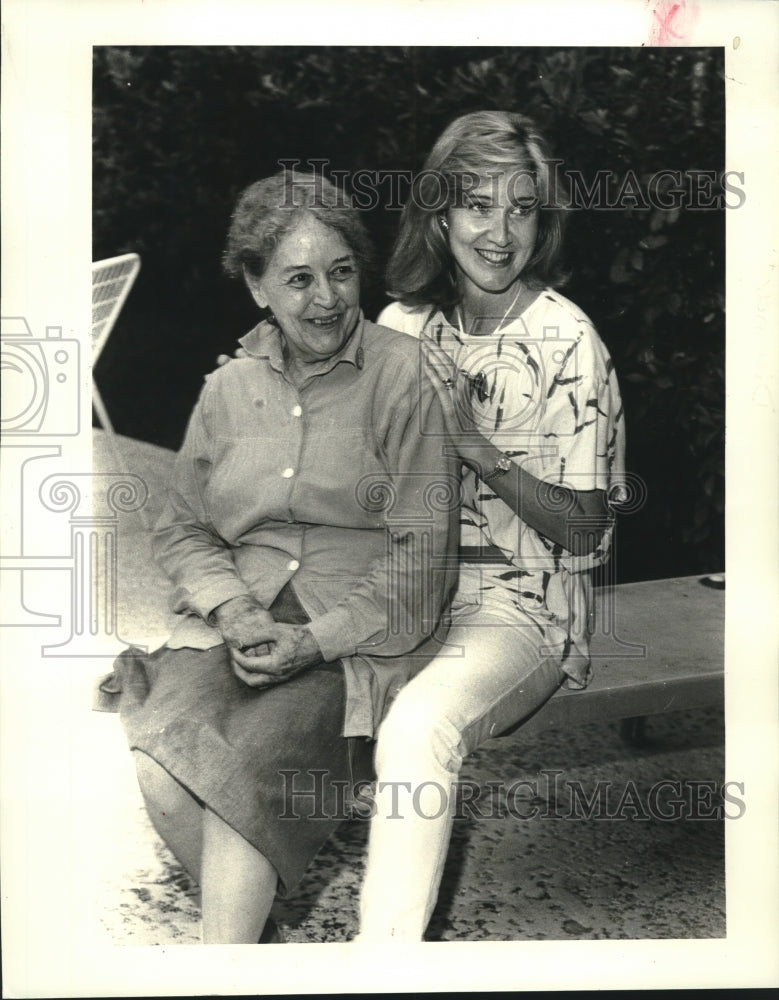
{"points": [[493, 234], [312, 286]]}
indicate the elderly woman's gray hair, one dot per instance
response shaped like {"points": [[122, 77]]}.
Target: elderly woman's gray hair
{"points": [[268, 209]]}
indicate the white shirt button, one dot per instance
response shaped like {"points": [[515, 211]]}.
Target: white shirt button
{"points": [[296, 411], [288, 473], [292, 565]]}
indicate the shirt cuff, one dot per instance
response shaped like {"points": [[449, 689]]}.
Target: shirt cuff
{"points": [[210, 597], [334, 634]]}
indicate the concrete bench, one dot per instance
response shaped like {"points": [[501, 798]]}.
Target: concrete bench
{"points": [[657, 646]]}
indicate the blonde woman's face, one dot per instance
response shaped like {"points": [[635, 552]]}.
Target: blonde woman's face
{"points": [[492, 233]]}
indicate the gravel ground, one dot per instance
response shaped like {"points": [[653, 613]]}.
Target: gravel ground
{"points": [[621, 874]]}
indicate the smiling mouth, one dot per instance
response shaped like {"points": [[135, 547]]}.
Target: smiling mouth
{"points": [[494, 257], [325, 322]]}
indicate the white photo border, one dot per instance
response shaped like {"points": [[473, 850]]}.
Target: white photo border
{"points": [[46, 221]]}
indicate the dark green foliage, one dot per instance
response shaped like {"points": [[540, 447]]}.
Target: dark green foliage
{"points": [[179, 131]]}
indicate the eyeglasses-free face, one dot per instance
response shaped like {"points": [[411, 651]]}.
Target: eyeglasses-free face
{"points": [[492, 234], [312, 286]]}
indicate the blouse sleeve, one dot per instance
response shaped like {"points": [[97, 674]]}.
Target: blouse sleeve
{"points": [[584, 419], [580, 420], [406, 320], [186, 544]]}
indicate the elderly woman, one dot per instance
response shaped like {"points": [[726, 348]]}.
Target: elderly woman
{"points": [[533, 407], [307, 532]]}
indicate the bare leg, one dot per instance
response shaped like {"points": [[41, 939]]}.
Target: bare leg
{"points": [[176, 815], [238, 885]]}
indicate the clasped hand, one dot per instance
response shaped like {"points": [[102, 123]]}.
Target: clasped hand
{"points": [[263, 651]]}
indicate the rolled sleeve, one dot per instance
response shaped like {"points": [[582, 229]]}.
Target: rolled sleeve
{"points": [[335, 633]]}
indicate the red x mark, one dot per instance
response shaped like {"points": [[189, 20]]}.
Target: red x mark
{"points": [[665, 23]]}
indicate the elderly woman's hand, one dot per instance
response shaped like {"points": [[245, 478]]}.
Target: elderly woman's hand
{"points": [[281, 652], [241, 620]]}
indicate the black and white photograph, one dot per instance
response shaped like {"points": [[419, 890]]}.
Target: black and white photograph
{"points": [[389, 558]]}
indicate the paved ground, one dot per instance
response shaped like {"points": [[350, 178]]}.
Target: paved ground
{"points": [[526, 867], [616, 875]]}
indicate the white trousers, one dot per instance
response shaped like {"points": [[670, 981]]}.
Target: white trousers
{"points": [[500, 676]]}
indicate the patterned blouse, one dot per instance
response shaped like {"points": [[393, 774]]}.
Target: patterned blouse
{"points": [[544, 392]]}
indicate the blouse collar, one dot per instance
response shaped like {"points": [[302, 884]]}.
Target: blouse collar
{"points": [[264, 343]]}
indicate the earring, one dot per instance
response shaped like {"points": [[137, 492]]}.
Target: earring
{"points": [[443, 222]]}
